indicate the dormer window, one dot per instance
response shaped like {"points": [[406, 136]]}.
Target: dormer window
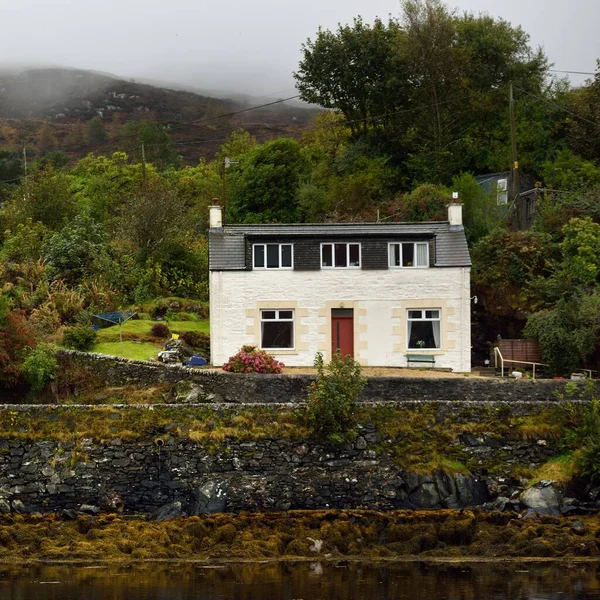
{"points": [[340, 256], [409, 254], [272, 256]]}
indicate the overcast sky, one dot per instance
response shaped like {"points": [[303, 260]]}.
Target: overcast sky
{"points": [[243, 45]]}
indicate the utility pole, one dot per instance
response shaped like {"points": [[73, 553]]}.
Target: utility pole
{"points": [[515, 161], [143, 163]]}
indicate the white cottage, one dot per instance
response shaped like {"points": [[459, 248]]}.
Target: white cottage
{"points": [[389, 294]]}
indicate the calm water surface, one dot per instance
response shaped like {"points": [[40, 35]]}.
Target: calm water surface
{"points": [[304, 581]]}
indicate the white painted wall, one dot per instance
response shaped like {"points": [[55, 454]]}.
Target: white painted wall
{"points": [[380, 295]]}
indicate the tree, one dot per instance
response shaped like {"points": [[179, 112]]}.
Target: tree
{"points": [[76, 138], [158, 149], [45, 139], [152, 214], [96, 132], [45, 197], [568, 334], [263, 188], [356, 70], [72, 251]]}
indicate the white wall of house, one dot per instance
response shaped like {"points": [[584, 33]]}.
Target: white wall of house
{"points": [[380, 300]]}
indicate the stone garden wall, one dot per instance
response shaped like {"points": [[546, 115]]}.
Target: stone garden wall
{"points": [[218, 386]]}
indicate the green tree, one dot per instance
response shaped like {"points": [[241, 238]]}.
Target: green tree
{"points": [[96, 132], [71, 252], [568, 333], [263, 188], [158, 148], [45, 197], [356, 70]]}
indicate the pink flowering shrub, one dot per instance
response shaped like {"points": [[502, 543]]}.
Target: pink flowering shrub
{"points": [[251, 360]]}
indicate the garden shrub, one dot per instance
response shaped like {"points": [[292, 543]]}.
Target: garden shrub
{"points": [[198, 341], [79, 337], [251, 360], [40, 367], [332, 398], [160, 330]]}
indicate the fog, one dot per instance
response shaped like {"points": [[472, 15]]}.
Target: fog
{"points": [[239, 46]]}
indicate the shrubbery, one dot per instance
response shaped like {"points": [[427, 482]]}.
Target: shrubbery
{"points": [[160, 330], [198, 341], [251, 360], [40, 367], [332, 398], [79, 337]]}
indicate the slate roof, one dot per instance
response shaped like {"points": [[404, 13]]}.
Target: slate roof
{"points": [[227, 246]]}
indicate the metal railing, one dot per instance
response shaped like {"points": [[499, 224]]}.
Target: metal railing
{"points": [[498, 354]]}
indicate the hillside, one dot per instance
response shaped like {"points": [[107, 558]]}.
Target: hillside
{"points": [[64, 97]]}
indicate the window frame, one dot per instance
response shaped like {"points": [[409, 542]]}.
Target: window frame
{"points": [[347, 244], [277, 320], [423, 318], [280, 254], [401, 266]]}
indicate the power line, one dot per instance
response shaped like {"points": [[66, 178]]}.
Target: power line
{"points": [[570, 112], [571, 72]]}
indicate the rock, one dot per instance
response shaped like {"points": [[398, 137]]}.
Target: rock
{"points": [[70, 514], [360, 443], [89, 509], [210, 497], [4, 506], [544, 500], [18, 507], [498, 504], [468, 439], [446, 489], [173, 510], [578, 527], [426, 496]]}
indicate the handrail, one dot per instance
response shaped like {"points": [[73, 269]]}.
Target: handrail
{"points": [[510, 360]]}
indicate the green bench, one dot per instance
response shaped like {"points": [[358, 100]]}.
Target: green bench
{"points": [[420, 358]]}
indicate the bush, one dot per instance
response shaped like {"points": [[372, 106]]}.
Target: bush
{"points": [[198, 341], [251, 360], [40, 367], [332, 398], [160, 330], [79, 337]]}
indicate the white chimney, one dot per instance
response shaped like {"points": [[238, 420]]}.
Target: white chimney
{"points": [[455, 212], [215, 220]]}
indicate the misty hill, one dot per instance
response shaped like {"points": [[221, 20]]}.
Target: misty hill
{"points": [[64, 97]]}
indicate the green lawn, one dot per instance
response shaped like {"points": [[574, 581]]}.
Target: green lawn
{"points": [[134, 350], [142, 327], [108, 338]]}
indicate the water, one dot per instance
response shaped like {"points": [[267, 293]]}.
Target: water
{"points": [[305, 581]]}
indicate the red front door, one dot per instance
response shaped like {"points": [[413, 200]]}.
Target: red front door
{"points": [[342, 331]]}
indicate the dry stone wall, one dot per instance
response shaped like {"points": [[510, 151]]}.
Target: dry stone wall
{"points": [[218, 386]]}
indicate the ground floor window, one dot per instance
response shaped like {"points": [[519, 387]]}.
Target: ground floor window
{"points": [[277, 329], [424, 328]]}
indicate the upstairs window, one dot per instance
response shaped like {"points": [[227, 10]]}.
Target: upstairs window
{"points": [[340, 256], [272, 256], [277, 329], [424, 328], [409, 254]]}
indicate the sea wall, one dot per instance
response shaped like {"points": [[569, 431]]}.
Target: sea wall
{"points": [[167, 470], [218, 386]]}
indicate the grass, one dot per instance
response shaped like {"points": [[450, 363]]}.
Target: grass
{"points": [[138, 344], [560, 469], [142, 327], [133, 350]]}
